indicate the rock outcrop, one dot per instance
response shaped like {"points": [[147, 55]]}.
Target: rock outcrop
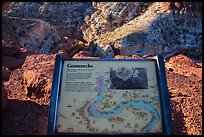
{"points": [[162, 28], [41, 26], [184, 78], [109, 16], [37, 76], [32, 34], [184, 65]]}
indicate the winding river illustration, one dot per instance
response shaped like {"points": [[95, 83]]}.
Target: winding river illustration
{"points": [[93, 109]]}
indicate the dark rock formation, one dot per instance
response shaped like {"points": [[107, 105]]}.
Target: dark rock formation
{"points": [[4, 98], [10, 48], [5, 74], [11, 62]]}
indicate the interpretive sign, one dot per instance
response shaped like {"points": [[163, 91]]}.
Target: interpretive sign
{"points": [[109, 96]]}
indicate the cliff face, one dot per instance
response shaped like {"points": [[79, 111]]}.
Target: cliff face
{"points": [[166, 28], [41, 26], [156, 28]]}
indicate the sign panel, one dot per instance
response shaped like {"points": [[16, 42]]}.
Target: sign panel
{"points": [[109, 97]]}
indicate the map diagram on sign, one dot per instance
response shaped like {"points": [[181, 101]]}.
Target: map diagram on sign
{"points": [[109, 98]]}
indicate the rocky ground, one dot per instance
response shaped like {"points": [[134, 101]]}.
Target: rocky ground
{"points": [[29, 115], [31, 40]]}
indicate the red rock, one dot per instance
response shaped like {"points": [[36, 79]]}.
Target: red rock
{"points": [[37, 76], [178, 4], [166, 5], [35, 84], [4, 98], [84, 54], [183, 61], [11, 62], [71, 49], [133, 56], [184, 65], [10, 48], [120, 57], [5, 74], [149, 56]]}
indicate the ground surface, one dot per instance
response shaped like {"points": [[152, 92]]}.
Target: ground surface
{"points": [[27, 116]]}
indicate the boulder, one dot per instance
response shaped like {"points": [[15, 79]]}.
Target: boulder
{"points": [[35, 84], [37, 75], [32, 34], [184, 65]]}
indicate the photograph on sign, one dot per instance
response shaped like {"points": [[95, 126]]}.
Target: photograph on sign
{"points": [[109, 97]]}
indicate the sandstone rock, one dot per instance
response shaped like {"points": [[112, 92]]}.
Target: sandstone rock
{"points": [[4, 98], [108, 52], [134, 57], [110, 15], [129, 57], [184, 65], [186, 107], [71, 49], [33, 34], [41, 26], [64, 14], [5, 74], [11, 62], [10, 48], [37, 75], [84, 54], [35, 84], [157, 30]]}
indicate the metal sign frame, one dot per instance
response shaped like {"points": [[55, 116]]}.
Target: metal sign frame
{"points": [[163, 94]]}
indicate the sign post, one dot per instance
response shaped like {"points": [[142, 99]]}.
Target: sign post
{"points": [[109, 96]]}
